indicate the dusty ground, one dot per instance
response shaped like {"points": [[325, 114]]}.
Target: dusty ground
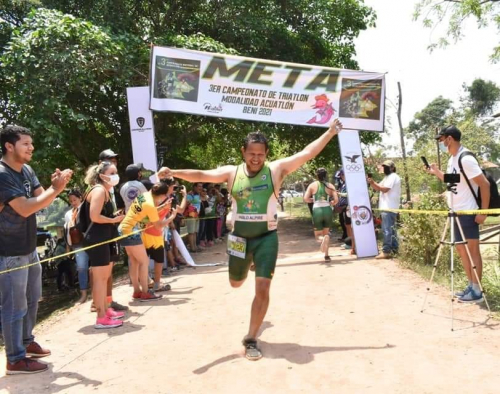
{"points": [[349, 326]]}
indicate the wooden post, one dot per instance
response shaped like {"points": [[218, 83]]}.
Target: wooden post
{"points": [[403, 149]]}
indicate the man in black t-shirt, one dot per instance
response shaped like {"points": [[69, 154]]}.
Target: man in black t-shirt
{"points": [[21, 196]]}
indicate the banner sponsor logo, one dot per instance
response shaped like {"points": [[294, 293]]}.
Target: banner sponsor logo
{"points": [[361, 215], [141, 122], [214, 109], [354, 162], [263, 90]]}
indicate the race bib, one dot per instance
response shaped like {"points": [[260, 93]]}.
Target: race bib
{"points": [[236, 246]]}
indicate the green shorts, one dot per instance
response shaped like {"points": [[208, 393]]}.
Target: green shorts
{"points": [[322, 218], [262, 251]]}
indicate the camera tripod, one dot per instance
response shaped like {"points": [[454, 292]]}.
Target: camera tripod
{"points": [[451, 222]]}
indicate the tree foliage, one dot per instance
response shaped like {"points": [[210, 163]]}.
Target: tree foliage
{"points": [[66, 65], [482, 97], [434, 12], [478, 135], [425, 122]]}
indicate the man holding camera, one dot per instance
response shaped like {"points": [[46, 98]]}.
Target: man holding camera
{"points": [[465, 199], [390, 195]]}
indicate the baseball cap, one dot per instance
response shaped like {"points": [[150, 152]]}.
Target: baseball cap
{"points": [[388, 163], [448, 131], [132, 171], [107, 154]]}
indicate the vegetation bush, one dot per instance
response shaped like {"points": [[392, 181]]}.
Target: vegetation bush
{"points": [[419, 242]]}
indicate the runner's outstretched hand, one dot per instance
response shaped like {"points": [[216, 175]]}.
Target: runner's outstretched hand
{"points": [[335, 127], [164, 173]]}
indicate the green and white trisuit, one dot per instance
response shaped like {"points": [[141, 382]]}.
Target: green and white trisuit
{"points": [[322, 211], [255, 218]]}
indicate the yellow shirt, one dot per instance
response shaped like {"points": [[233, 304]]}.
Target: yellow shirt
{"points": [[141, 212]]}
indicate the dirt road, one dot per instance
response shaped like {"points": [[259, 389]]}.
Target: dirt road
{"points": [[348, 326]]}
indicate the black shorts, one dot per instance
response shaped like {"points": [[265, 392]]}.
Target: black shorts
{"points": [[157, 254], [469, 227], [101, 256]]}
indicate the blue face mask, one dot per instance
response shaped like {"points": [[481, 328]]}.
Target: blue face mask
{"points": [[443, 147]]}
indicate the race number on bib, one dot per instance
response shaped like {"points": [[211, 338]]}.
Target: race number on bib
{"points": [[236, 246]]}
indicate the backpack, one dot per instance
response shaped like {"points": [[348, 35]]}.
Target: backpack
{"points": [[494, 195], [80, 225]]}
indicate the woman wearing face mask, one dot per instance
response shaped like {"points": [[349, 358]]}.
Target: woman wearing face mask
{"points": [[101, 220], [82, 259], [390, 195]]}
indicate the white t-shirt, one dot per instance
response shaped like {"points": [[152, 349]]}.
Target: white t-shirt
{"points": [[390, 200], [68, 218], [129, 191], [464, 200]]}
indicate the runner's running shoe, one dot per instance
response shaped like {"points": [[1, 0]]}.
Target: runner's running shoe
{"points": [[252, 352]]}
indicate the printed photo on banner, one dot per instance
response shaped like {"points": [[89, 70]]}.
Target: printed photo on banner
{"points": [[176, 79], [360, 99], [213, 84]]}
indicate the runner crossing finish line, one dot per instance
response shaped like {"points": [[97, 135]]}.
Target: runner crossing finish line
{"points": [[255, 185]]}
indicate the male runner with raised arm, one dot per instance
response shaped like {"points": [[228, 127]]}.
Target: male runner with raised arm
{"points": [[255, 185]]}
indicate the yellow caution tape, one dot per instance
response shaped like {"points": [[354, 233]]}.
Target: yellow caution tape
{"points": [[73, 252], [444, 213], [90, 247]]}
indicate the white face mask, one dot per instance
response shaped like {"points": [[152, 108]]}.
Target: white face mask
{"points": [[113, 179], [443, 147]]}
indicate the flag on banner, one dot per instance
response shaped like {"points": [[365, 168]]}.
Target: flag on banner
{"points": [[227, 86]]}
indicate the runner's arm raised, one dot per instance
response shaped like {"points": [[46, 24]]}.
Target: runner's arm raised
{"points": [[285, 166], [217, 175]]}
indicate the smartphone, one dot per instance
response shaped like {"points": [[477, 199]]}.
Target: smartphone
{"points": [[426, 163], [176, 188], [369, 175]]}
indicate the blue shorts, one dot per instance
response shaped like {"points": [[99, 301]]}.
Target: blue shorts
{"points": [[469, 227], [131, 240]]}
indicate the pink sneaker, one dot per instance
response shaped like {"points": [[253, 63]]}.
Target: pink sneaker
{"points": [[114, 315], [210, 243], [203, 244], [106, 322]]}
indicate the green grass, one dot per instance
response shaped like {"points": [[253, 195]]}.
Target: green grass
{"points": [[492, 221], [297, 208]]}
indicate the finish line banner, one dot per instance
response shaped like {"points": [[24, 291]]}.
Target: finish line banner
{"points": [[227, 86]]}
